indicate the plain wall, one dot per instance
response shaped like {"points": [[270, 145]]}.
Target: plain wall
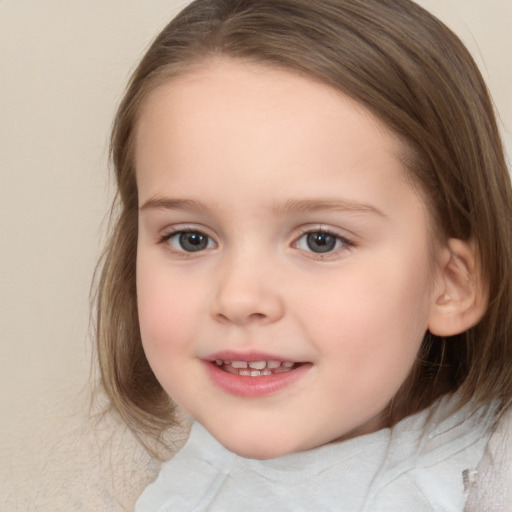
{"points": [[64, 65]]}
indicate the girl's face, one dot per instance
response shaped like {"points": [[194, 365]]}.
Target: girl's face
{"points": [[285, 270]]}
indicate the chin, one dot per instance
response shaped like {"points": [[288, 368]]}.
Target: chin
{"points": [[258, 447], [259, 451]]}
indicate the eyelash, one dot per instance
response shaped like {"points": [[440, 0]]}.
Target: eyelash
{"points": [[165, 239], [343, 243]]}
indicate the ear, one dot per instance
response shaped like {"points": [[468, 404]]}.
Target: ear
{"points": [[461, 296]]}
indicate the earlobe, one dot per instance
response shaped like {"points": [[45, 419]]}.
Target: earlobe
{"points": [[461, 296]]}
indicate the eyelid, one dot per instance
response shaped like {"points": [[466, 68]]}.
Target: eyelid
{"points": [[348, 242], [178, 236], [325, 228], [170, 232]]}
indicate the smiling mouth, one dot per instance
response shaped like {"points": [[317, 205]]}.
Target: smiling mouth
{"points": [[255, 377], [256, 368]]}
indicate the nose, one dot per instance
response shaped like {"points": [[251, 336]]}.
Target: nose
{"points": [[247, 292]]}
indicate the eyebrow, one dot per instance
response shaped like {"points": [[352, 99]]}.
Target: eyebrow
{"points": [[166, 203], [289, 206], [315, 205]]}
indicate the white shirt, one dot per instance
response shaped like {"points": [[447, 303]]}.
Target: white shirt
{"points": [[426, 462]]}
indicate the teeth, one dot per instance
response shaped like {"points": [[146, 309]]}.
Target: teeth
{"points": [[257, 365], [255, 368]]}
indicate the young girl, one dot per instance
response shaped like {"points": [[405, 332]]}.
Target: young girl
{"points": [[313, 259]]}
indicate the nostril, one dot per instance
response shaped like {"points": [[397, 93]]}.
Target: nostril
{"points": [[241, 319], [245, 305], [220, 317]]}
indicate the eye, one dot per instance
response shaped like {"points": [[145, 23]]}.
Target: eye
{"points": [[189, 241], [321, 242]]}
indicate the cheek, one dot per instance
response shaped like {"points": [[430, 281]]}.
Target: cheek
{"points": [[375, 314], [165, 309]]}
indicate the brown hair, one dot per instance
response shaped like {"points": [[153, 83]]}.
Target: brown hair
{"points": [[415, 75]]}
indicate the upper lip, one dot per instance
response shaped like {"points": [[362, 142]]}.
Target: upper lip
{"points": [[252, 356]]}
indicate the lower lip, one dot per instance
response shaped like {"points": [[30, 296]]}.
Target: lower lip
{"points": [[243, 385]]}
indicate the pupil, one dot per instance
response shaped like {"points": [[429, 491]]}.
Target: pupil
{"points": [[192, 242], [321, 242]]}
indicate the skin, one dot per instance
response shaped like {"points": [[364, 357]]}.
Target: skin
{"points": [[254, 157]]}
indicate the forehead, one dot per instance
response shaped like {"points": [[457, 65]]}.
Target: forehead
{"points": [[235, 86], [225, 114]]}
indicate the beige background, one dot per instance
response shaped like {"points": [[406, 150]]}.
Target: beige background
{"points": [[64, 65]]}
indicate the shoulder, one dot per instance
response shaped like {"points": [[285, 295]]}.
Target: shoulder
{"points": [[491, 489], [433, 457], [189, 476]]}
